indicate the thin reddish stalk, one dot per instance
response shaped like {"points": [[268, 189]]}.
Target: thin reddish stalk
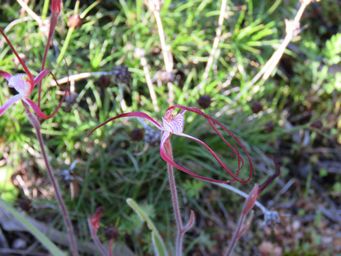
{"points": [[22, 62], [248, 205], [53, 23], [180, 228], [66, 217], [96, 240], [234, 239]]}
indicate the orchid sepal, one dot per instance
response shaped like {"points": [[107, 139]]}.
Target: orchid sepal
{"points": [[5, 75], [9, 103], [129, 115]]}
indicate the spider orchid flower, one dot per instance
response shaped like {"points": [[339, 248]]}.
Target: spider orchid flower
{"points": [[173, 124], [24, 84]]}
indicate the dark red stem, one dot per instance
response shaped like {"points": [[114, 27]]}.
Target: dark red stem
{"points": [[66, 217]]}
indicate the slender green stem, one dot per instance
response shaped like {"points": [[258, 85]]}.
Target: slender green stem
{"points": [[66, 217], [65, 45], [68, 36], [45, 9]]}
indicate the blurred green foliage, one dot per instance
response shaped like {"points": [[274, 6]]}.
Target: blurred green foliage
{"points": [[112, 167]]}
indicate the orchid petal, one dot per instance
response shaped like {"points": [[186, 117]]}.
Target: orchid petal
{"points": [[215, 155], [20, 84], [36, 109], [5, 75], [9, 103], [130, 114], [41, 76], [214, 124], [168, 159]]}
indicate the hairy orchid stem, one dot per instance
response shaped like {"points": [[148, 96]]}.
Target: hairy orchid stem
{"points": [[180, 228], [236, 233], [66, 217]]}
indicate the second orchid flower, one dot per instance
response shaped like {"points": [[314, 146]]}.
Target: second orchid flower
{"points": [[173, 124]]}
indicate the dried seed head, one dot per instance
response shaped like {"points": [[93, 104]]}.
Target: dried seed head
{"points": [[204, 101], [111, 233], [317, 124], [271, 218], [269, 126], [104, 81], [122, 75], [75, 21], [256, 107], [71, 98], [137, 134], [151, 136]]}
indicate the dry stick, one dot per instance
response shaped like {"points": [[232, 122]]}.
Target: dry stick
{"points": [[292, 29], [80, 76], [213, 54], [180, 228], [140, 54], [66, 217], [167, 56], [22, 11], [30, 12]]}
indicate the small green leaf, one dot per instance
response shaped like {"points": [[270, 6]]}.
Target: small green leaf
{"points": [[158, 243]]}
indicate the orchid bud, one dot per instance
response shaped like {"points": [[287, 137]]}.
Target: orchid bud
{"points": [[75, 21], [96, 219], [251, 200], [56, 6]]}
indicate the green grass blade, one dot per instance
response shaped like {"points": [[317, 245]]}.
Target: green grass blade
{"points": [[46, 242], [158, 243]]}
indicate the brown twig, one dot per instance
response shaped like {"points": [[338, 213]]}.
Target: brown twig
{"points": [[292, 28], [140, 54], [213, 54], [155, 6]]}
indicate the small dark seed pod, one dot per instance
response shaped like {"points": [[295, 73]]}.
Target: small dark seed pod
{"points": [[317, 124], [104, 81], [122, 75], [204, 101], [111, 233], [256, 107], [269, 126], [137, 134]]}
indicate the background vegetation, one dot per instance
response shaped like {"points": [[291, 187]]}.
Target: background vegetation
{"points": [[294, 115]]}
